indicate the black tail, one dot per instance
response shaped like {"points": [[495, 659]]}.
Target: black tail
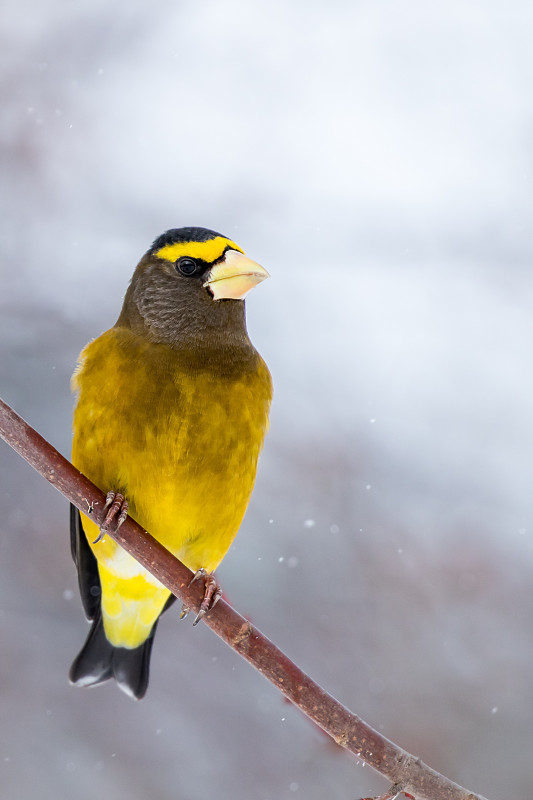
{"points": [[99, 660]]}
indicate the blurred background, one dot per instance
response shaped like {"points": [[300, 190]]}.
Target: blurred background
{"points": [[376, 157]]}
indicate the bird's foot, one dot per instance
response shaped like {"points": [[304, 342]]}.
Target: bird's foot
{"points": [[212, 594], [117, 510], [394, 792]]}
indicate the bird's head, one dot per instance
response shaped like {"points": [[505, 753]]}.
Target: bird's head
{"points": [[189, 287]]}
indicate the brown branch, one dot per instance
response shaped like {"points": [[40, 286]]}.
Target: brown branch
{"points": [[406, 773]]}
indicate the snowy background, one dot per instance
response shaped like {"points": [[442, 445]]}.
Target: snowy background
{"points": [[376, 157]]}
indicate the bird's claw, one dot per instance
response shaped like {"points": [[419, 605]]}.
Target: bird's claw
{"points": [[394, 792], [117, 510], [212, 594]]}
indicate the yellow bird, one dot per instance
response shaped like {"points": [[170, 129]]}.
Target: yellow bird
{"points": [[172, 411]]}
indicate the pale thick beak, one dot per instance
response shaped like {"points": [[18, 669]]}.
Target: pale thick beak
{"points": [[234, 276]]}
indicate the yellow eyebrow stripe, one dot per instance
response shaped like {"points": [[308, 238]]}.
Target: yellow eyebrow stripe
{"points": [[207, 251]]}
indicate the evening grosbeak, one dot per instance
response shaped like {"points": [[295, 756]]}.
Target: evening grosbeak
{"points": [[171, 414]]}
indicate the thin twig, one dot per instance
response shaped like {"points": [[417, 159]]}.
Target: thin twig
{"points": [[406, 773]]}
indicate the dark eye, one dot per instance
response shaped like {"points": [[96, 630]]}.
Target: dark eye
{"points": [[187, 266]]}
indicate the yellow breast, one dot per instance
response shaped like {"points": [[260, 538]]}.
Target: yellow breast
{"points": [[179, 435]]}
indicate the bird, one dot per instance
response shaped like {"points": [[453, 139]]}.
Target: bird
{"points": [[171, 413]]}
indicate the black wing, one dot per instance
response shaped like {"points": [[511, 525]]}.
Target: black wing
{"points": [[86, 564]]}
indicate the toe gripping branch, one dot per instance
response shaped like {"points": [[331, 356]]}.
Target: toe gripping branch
{"points": [[116, 506], [212, 594], [394, 792]]}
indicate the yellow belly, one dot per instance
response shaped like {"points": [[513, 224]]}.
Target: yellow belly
{"points": [[180, 438]]}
